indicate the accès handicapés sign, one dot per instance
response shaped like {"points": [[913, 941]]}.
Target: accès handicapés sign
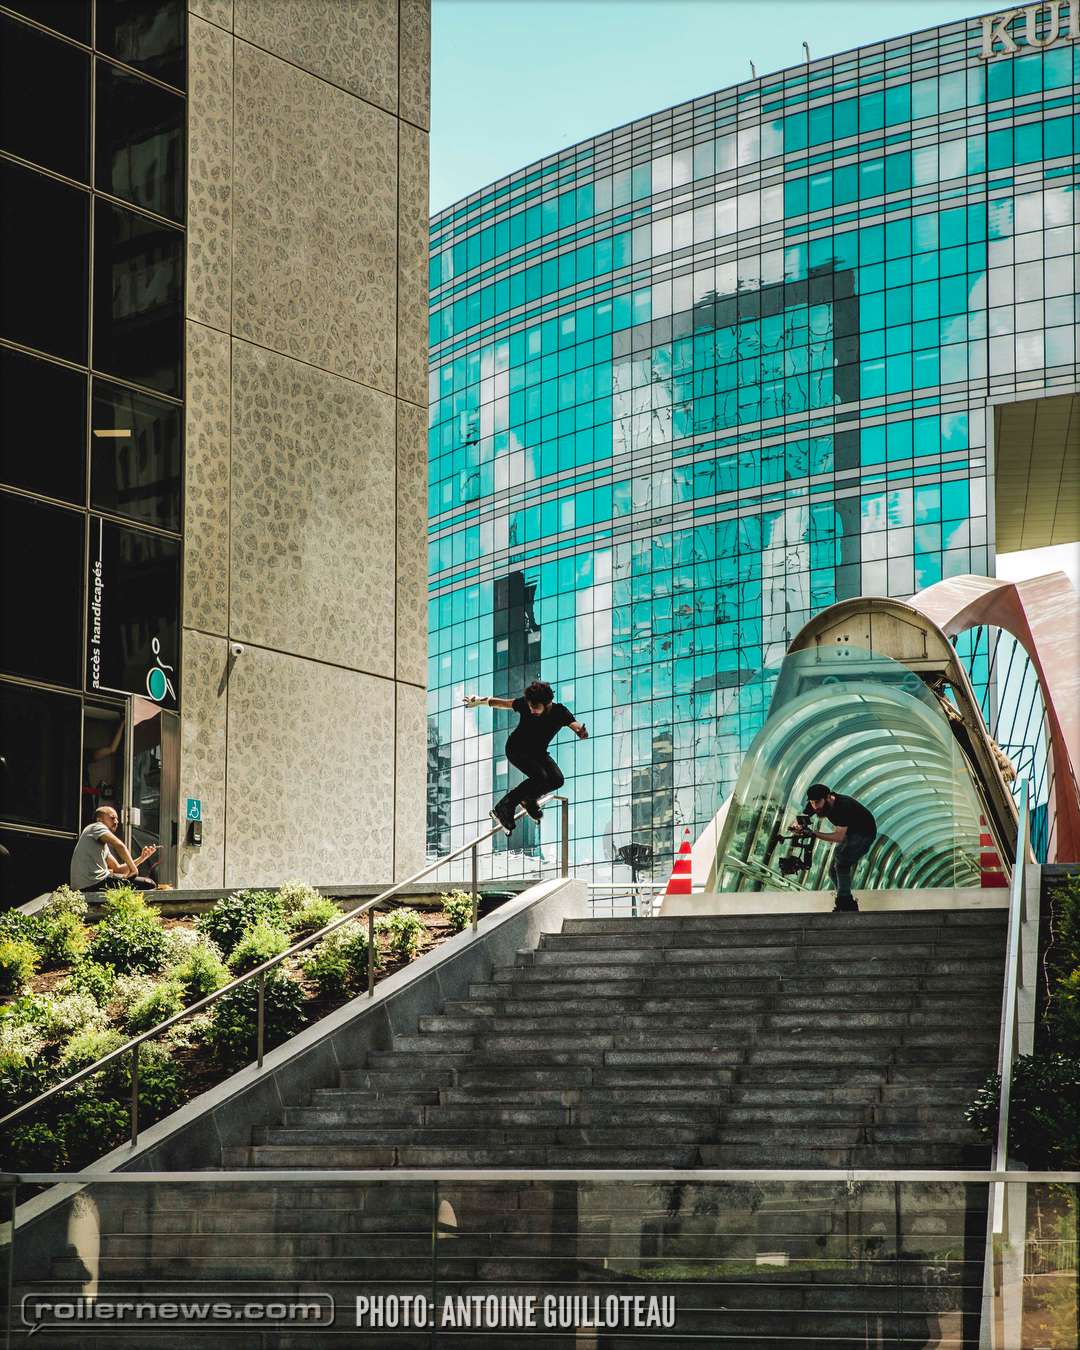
{"points": [[1002, 35]]}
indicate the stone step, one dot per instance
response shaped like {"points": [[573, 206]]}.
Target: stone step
{"points": [[479, 1141], [646, 936], [675, 1024], [659, 959], [946, 918], [789, 1154], [780, 961]]}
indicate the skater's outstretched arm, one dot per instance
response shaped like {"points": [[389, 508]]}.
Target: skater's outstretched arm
{"points": [[580, 730], [478, 701]]}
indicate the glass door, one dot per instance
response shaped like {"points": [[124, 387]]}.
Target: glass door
{"points": [[151, 815]]}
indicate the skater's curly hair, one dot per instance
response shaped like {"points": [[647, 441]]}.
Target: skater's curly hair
{"points": [[539, 692]]}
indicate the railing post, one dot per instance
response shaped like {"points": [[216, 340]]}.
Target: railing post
{"points": [[564, 826], [474, 906], [260, 1022], [371, 952], [135, 1094]]}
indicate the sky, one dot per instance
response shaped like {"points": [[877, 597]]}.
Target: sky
{"points": [[514, 80]]}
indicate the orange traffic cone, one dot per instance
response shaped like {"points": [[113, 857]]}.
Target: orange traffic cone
{"points": [[680, 882], [992, 874]]}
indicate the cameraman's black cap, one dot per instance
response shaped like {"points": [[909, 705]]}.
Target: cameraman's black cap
{"points": [[816, 791]]}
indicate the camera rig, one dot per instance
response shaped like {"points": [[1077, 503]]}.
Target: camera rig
{"points": [[796, 862]]}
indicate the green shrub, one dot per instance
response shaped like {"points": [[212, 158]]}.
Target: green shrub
{"points": [[338, 964], [259, 944], [296, 895], [404, 929], [23, 1071], [231, 1033], [65, 901], [200, 972], [89, 977], [37, 1147], [130, 936], [1065, 1010], [18, 961], [156, 1005], [19, 926], [231, 917], [92, 1124], [56, 1016], [1044, 1111], [87, 1046], [457, 906], [63, 939], [312, 915]]}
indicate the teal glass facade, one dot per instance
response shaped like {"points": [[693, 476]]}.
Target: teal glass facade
{"points": [[700, 376]]}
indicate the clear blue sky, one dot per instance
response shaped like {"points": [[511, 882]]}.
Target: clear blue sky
{"points": [[513, 80]]}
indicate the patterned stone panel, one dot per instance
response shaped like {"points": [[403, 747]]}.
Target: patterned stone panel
{"points": [[207, 417], [311, 773], [210, 185], [312, 512], [202, 756], [412, 578], [217, 11], [351, 43], [412, 264], [415, 62], [315, 272], [410, 794]]}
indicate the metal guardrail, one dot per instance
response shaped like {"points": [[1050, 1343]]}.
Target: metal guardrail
{"points": [[1009, 1039], [646, 1175], [259, 973]]}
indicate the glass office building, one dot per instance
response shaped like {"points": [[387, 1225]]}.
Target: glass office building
{"points": [[698, 377], [92, 177]]}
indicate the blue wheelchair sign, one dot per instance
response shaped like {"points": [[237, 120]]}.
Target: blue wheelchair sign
{"points": [[194, 808]]}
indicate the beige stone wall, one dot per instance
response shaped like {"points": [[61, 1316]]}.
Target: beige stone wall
{"points": [[306, 470]]}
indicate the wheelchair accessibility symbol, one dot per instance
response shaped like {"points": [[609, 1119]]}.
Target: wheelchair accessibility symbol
{"points": [[194, 808]]}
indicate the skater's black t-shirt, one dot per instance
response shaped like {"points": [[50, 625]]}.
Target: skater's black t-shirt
{"points": [[535, 732], [847, 811]]}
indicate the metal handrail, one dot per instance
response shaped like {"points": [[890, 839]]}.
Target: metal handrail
{"points": [[1009, 1042], [259, 972], [308, 1176]]}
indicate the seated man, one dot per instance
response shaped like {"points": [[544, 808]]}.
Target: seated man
{"points": [[93, 865]]}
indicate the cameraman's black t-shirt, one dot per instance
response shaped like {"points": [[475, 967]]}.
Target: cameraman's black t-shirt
{"points": [[847, 811], [535, 732]]}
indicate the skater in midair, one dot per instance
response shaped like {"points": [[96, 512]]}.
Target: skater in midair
{"points": [[540, 719]]}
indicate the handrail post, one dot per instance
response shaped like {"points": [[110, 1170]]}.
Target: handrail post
{"points": [[260, 1022], [134, 1094], [474, 904], [564, 826], [371, 952]]}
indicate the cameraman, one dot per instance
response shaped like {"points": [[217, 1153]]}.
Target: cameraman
{"points": [[856, 830]]}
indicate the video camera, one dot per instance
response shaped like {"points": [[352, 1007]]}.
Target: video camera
{"points": [[797, 859]]}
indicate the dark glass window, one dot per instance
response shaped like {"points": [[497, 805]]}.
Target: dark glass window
{"points": [[41, 559], [44, 102], [136, 473], [146, 34], [139, 134], [133, 627], [66, 16], [42, 426], [32, 864], [43, 256], [138, 287], [39, 757]]}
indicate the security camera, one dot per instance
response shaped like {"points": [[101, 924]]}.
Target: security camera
{"points": [[236, 649]]}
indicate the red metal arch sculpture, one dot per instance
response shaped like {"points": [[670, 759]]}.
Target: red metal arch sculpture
{"points": [[1043, 614]]}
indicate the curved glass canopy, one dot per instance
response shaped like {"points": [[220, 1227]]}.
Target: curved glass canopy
{"points": [[870, 728]]}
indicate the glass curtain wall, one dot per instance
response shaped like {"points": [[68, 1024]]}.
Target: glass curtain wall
{"points": [[698, 377], [92, 183]]}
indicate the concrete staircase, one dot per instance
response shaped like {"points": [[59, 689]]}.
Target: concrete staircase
{"points": [[774, 1040], [812, 1040]]}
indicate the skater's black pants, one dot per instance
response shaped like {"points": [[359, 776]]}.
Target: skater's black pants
{"points": [[542, 775], [846, 857]]}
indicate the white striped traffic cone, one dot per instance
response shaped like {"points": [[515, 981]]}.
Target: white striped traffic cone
{"points": [[681, 880]]}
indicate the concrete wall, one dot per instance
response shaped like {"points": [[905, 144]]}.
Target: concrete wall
{"points": [[306, 477]]}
